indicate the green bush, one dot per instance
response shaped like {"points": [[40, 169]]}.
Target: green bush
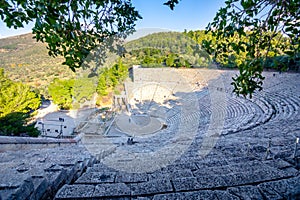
{"points": [[14, 124]]}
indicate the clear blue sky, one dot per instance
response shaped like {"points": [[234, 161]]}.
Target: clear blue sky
{"points": [[188, 14]]}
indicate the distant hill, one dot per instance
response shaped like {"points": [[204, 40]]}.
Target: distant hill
{"points": [[26, 60], [144, 32], [155, 49], [170, 41]]}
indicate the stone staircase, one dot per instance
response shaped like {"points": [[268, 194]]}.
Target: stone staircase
{"points": [[39, 173]]}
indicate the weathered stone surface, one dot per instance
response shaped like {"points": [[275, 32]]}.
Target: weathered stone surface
{"points": [[246, 192], [212, 171], [75, 192], [186, 184], [268, 192], [151, 187], [225, 195], [39, 174], [186, 195], [211, 182], [10, 178], [7, 193], [181, 166], [255, 148], [96, 178], [140, 198], [289, 188], [40, 188], [100, 167], [236, 179], [25, 190], [171, 174], [112, 190], [183, 173], [123, 177], [212, 162], [56, 179]]}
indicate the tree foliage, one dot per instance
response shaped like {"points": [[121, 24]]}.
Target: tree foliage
{"points": [[260, 21], [102, 87], [166, 49], [109, 78], [171, 3], [69, 93], [17, 101], [230, 58], [15, 124], [71, 28], [16, 97], [83, 89], [61, 92]]}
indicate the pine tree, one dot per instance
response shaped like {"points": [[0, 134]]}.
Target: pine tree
{"points": [[102, 87]]}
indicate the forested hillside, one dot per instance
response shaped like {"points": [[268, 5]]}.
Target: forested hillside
{"points": [[234, 56], [193, 49], [166, 49], [25, 60]]}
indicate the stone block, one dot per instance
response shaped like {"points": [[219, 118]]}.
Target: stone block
{"points": [[56, 179], [54, 168], [224, 195], [246, 192], [70, 173], [181, 174], [100, 168], [123, 177], [159, 175], [236, 179], [96, 178], [40, 188], [207, 195], [266, 174], [205, 171], [75, 192], [286, 188], [212, 162], [7, 193], [181, 166], [173, 174], [278, 163], [25, 190], [186, 184], [211, 181], [268, 192], [11, 178], [151, 187], [112, 190]]}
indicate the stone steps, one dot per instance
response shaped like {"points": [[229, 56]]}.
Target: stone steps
{"points": [[285, 106], [237, 167], [205, 176], [38, 174]]}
